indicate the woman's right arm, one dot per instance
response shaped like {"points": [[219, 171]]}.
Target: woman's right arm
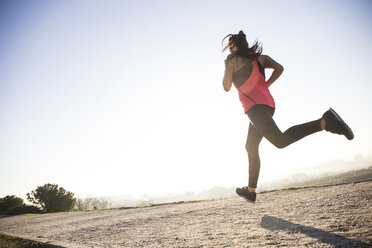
{"points": [[268, 62], [227, 78]]}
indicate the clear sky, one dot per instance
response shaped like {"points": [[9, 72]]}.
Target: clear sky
{"points": [[126, 97]]}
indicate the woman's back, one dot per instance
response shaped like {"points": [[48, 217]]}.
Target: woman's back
{"points": [[243, 68], [248, 77]]}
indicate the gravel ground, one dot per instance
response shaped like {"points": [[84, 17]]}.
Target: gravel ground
{"points": [[332, 216]]}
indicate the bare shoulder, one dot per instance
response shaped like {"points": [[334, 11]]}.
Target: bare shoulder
{"points": [[262, 59], [268, 62], [229, 57]]}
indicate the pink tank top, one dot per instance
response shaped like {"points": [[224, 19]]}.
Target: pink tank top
{"points": [[252, 87]]}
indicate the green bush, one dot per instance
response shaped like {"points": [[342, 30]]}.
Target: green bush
{"points": [[10, 201], [52, 198], [24, 209]]}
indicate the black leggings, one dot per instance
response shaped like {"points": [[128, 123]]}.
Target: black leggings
{"points": [[263, 125]]}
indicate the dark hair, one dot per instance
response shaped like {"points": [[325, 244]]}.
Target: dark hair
{"points": [[243, 49]]}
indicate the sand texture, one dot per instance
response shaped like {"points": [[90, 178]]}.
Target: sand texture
{"points": [[332, 216]]}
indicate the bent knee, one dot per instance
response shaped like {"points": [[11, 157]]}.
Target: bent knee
{"points": [[279, 141], [280, 144], [251, 148]]}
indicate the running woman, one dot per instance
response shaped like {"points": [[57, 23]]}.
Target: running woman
{"points": [[245, 68]]}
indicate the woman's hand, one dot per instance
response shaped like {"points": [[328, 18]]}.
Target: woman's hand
{"points": [[227, 78]]}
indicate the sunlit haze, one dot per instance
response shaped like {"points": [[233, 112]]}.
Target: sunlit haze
{"points": [[126, 97]]}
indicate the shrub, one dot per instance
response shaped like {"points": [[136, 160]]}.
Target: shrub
{"points": [[24, 209], [10, 201]]}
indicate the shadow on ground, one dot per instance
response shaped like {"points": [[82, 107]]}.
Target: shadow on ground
{"points": [[276, 224]]}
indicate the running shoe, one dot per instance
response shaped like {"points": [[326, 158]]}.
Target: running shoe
{"points": [[335, 124], [248, 196]]}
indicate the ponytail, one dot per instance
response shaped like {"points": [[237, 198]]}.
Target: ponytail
{"points": [[243, 49]]}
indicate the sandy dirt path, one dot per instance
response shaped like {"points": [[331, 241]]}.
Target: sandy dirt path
{"points": [[333, 216]]}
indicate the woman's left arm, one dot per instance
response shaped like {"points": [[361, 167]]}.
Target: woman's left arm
{"points": [[272, 64], [227, 78]]}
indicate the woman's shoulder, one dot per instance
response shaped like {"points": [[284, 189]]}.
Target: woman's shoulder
{"points": [[261, 58], [229, 57]]}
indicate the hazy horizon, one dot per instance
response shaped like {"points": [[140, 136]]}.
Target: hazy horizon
{"points": [[324, 169], [330, 169]]}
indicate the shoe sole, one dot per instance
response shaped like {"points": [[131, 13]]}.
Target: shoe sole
{"points": [[349, 133], [245, 198]]}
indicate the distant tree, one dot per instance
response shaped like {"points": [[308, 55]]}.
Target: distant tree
{"points": [[10, 201], [80, 204], [52, 198], [92, 203]]}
